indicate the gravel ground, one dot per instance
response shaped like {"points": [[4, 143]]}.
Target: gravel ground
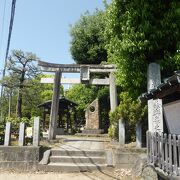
{"points": [[120, 174]]}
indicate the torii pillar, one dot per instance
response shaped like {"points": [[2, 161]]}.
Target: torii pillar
{"points": [[54, 106], [113, 92], [114, 103]]}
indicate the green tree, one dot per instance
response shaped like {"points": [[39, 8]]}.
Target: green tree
{"points": [[33, 95], [88, 47], [36, 94], [88, 43], [21, 70], [130, 111], [139, 32], [83, 95]]}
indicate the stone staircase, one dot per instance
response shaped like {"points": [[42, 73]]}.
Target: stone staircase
{"points": [[73, 160]]}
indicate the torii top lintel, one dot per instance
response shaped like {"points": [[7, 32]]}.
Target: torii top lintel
{"points": [[75, 68]]}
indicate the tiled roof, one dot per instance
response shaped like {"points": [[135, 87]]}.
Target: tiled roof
{"points": [[62, 100], [170, 85]]}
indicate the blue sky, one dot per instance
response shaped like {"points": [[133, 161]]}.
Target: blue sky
{"points": [[42, 26]]}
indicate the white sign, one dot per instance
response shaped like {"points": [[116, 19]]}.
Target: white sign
{"points": [[29, 132]]}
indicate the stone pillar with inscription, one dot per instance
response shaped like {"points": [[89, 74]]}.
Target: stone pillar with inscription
{"points": [[155, 114]]}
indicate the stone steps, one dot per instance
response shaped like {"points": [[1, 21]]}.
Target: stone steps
{"points": [[77, 159], [68, 160], [71, 167], [69, 152]]}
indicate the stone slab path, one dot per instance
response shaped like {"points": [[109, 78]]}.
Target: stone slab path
{"points": [[80, 143]]}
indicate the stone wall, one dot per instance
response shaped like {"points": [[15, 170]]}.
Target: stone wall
{"points": [[127, 157], [19, 158]]}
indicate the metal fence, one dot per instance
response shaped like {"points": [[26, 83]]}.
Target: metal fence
{"points": [[164, 152]]}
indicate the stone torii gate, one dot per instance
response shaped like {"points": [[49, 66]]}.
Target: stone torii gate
{"points": [[85, 71]]}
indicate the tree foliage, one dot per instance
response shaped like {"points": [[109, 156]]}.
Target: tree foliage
{"points": [[33, 94], [20, 71], [139, 32], [23, 91], [130, 111], [83, 95], [88, 44]]}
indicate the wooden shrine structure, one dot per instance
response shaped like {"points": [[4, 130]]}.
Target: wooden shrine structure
{"points": [[66, 106]]}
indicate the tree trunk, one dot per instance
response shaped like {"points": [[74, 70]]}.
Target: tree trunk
{"points": [[19, 104], [10, 102]]}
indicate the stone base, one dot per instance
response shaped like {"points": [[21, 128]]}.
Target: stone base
{"points": [[92, 131]]}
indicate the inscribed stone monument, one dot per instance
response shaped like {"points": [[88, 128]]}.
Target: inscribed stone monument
{"points": [[92, 118], [155, 115]]}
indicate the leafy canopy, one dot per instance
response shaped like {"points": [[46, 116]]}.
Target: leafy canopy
{"points": [[139, 32], [88, 44]]}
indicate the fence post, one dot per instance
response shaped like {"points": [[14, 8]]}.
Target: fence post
{"points": [[36, 131], [179, 154], [162, 150], [148, 146], [166, 152], [151, 146], [174, 155], [154, 148], [7, 138], [159, 155], [21, 134], [170, 153]]}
